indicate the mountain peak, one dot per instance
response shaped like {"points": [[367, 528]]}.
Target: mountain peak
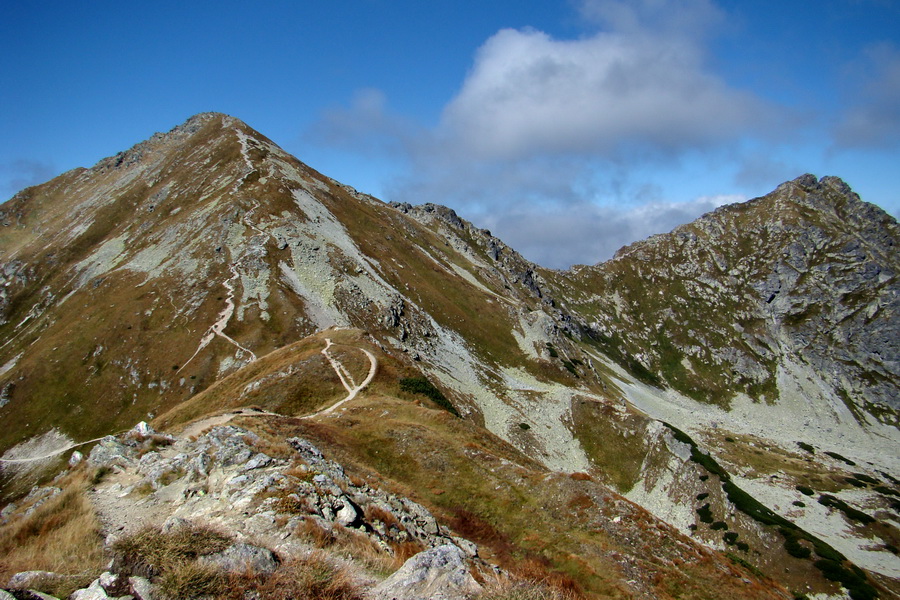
{"points": [[809, 183], [208, 128]]}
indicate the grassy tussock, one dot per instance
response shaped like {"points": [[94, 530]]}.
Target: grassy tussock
{"points": [[149, 552], [170, 559], [62, 535], [310, 577], [192, 580], [517, 589], [378, 559]]}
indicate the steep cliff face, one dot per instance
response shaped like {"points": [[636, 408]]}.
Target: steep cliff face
{"points": [[191, 265]]}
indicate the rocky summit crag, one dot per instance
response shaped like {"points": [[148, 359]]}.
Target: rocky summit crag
{"points": [[712, 413]]}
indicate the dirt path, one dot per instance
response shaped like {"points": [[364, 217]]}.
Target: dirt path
{"points": [[346, 379], [197, 427], [57, 452]]}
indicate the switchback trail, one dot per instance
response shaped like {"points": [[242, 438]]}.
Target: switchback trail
{"points": [[195, 428], [346, 378]]}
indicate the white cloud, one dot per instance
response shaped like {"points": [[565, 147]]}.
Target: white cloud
{"points": [[605, 96], [545, 133], [873, 118]]}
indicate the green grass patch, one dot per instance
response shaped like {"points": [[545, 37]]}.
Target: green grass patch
{"points": [[837, 456], [423, 387], [806, 447], [851, 513]]}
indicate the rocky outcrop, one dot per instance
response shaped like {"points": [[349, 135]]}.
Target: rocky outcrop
{"points": [[439, 574], [223, 471]]}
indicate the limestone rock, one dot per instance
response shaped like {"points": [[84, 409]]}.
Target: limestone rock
{"points": [[27, 579], [242, 557], [141, 588], [437, 574], [30, 595], [94, 592], [76, 458]]}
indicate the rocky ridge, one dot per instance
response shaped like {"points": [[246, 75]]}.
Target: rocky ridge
{"points": [[273, 508]]}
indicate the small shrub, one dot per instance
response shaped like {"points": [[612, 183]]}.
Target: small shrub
{"points": [[850, 512], [705, 514], [703, 496], [524, 426], [100, 474], [421, 386], [806, 447], [730, 538], [719, 526], [799, 503], [805, 490], [795, 548], [837, 456], [866, 478], [854, 581], [740, 561]]}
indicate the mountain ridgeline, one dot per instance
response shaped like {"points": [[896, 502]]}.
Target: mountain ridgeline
{"points": [[712, 375]]}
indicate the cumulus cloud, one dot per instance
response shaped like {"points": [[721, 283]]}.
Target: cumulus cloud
{"points": [[545, 133], [607, 96], [21, 173], [873, 118]]}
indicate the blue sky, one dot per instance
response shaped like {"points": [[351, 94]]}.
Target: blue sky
{"points": [[568, 128]]}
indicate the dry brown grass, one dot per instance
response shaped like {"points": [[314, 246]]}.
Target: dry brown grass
{"points": [[149, 552], [516, 589], [377, 558], [376, 513], [312, 577], [62, 535], [317, 535]]}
